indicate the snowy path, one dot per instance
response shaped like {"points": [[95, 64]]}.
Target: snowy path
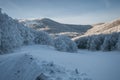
{"points": [[98, 65]]}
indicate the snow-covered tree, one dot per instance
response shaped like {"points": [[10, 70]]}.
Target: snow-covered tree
{"points": [[93, 45], [82, 42], [118, 43], [43, 38], [89, 41], [110, 42], [96, 42], [0, 40], [26, 34], [113, 41], [0, 10], [106, 44], [10, 35], [64, 43], [59, 44]]}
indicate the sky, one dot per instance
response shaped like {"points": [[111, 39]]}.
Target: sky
{"points": [[65, 11]]}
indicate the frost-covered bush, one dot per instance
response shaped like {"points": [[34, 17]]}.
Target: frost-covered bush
{"points": [[64, 43], [43, 38]]}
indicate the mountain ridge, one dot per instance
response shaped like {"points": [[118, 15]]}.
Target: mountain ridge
{"points": [[54, 27]]}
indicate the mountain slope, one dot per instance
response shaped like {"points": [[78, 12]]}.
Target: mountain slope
{"points": [[54, 27], [106, 28], [102, 28]]}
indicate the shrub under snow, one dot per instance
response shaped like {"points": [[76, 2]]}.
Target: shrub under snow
{"points": [[64, 43]]}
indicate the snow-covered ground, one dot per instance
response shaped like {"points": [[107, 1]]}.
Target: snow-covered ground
{"points": [[95, 65]]}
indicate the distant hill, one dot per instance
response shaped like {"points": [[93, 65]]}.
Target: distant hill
{"points": [[54, 27]]}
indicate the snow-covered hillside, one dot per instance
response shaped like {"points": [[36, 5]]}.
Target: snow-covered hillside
{"points": [[105, 28], [55, 28], [30, 62]]}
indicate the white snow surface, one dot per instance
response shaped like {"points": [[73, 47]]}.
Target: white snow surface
{"points": [[27, 62]]}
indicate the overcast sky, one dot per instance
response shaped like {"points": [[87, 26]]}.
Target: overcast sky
{"points": [[65, 11]]}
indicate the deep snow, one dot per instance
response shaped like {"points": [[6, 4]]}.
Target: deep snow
{"points": [[97, 65]]}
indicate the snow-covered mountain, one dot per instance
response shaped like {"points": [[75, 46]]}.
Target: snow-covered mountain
{"points": [[105, 28], [54, 27], [102, 28]]}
